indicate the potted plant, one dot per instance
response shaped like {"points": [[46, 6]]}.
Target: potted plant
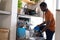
{"points": [[19, 5]]}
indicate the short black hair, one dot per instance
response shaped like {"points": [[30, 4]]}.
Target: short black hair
{"points": [[43, 4]]}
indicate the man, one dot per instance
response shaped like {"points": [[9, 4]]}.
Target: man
{"points": [[49, 20]]}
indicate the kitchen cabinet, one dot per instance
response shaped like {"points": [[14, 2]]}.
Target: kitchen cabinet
{"points": [[5, 7], [4, 12], [8, 18], [4, 34]]}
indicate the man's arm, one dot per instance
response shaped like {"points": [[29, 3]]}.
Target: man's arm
{"points": [[47, 25], [43, 23], [48, 22]]}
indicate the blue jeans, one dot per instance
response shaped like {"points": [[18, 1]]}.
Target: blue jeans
{"points": [[49, 34]]}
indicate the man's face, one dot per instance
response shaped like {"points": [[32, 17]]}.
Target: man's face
{"points": [[43, 8]]}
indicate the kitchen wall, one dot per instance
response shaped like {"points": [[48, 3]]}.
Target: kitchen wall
{"points": [[57, 4], [57, 37], [13, 19], [51, 4]]}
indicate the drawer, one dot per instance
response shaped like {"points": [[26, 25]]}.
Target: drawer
{"points": [[4, 34]]}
